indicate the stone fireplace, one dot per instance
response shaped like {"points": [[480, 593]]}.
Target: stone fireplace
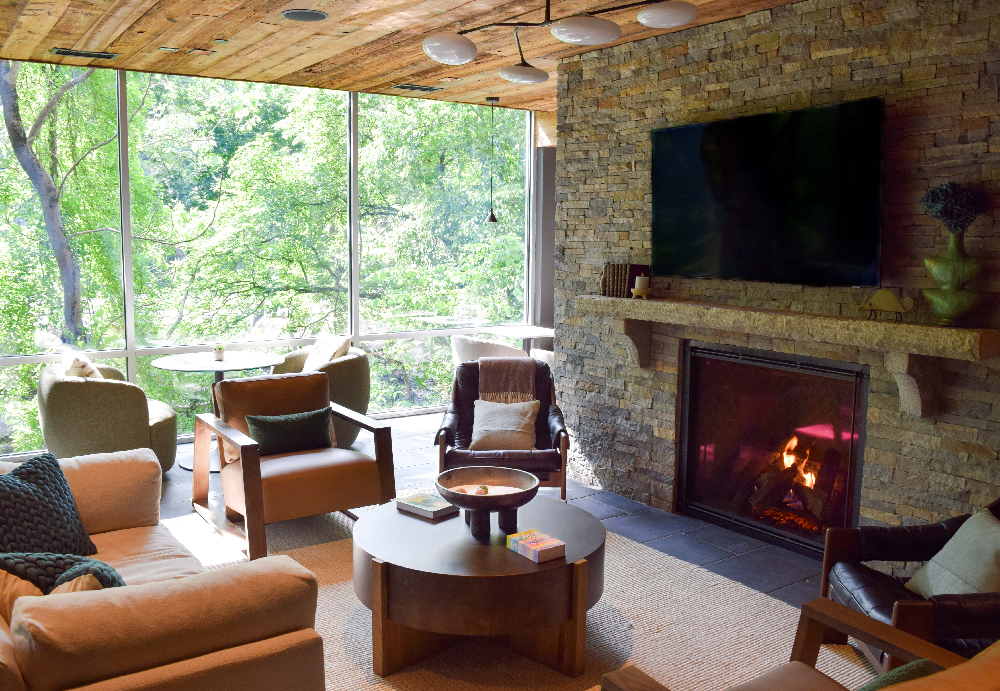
{"points": [[769, 443], [933, 404]]}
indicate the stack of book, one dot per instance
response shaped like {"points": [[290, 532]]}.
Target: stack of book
{"points": [[426, 506], [536, 546]]}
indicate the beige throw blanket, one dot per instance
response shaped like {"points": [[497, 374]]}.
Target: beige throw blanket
{"points": [[507, 379]]}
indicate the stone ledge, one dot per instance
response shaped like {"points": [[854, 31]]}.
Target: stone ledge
{"points": [[891, 337]]}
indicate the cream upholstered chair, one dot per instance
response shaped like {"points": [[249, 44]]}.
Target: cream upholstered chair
{"points": [[350, 386], [280, 487], [464, 348], [83, 416], [173, 625]]}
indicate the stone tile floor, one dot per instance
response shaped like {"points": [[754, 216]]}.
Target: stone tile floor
{"points": [[785, 575]]}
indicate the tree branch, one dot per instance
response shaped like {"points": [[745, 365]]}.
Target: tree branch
{"points": [[54, 99]]}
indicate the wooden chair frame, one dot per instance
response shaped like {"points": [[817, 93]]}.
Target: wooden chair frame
{"points": [[818, 618], [205, 424]]}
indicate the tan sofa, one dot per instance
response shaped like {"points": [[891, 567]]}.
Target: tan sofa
{"points": [[350, 386], [80, 416], [173, 626]]}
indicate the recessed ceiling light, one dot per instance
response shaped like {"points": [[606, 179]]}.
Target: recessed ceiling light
{"points": [[304, 15], [168, 49], [200, 51], [221, 41], [448, 79]]}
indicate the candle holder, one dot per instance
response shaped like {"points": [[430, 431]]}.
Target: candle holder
{"points": [[641, 293]]}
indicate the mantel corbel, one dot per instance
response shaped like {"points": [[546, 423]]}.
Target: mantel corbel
{"points": [[917, 377], [640, 333]]}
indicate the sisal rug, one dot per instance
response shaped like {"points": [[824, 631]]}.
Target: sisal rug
{"points": [[690, 629]]}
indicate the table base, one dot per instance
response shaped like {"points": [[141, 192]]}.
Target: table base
{"points": [[395, 646]]}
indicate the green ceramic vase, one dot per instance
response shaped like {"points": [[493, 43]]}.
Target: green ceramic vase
{"points": [[952, 269]]}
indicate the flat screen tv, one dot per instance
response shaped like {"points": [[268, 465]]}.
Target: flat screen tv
{"points": [[790, 197]]}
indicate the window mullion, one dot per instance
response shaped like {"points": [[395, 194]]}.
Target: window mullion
{"points": [[353, 218], [124, 192]]}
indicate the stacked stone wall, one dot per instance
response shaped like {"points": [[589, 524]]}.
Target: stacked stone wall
{"points": [[936, 64]]}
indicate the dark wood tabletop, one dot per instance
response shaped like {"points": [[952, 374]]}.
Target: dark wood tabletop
{"points": [[448, 548]]}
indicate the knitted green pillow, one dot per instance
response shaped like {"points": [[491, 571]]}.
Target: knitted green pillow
{"points": [[276, 434], [38, 513], [908, 672]]}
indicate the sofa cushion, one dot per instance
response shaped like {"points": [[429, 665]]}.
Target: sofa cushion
{"points": [[541, 462], [81, 366], [968, 563], [911, 670], [503, 426], [791, 676], [306, 431], [37, 511], [326, 348], [981, 673], [10, 675], [866, 590], [47, 574], [144, 555]]}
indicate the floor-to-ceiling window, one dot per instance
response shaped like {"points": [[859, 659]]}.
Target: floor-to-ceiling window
{"points": [[237, 215]]}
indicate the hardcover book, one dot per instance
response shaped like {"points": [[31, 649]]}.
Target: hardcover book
{"points": [[426, 506], [536, 546]]}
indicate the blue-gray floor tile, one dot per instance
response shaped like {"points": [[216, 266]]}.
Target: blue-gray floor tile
{"points": [[797, 594], [596, 508], [620, 502], [576, 490], [726, 539], [767, 569], [688, 549], [650, 524]]}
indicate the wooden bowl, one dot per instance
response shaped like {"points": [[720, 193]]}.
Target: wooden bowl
{"points": [[479, 506]]}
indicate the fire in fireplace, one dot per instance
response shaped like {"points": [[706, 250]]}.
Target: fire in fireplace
{"points": [[770, 443]]}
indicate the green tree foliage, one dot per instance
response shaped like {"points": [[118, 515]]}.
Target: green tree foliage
{"points": [[239, 227]]}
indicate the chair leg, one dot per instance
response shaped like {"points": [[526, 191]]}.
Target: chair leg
{"points": [[202, 459], [564, 452], [253, 494]]}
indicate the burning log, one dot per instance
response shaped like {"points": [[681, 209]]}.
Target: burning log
{"points": [[773, 489]]}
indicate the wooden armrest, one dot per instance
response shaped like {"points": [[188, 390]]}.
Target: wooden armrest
{"points": [[630, 678], [225, 430], [822, 614], [362, 421]]}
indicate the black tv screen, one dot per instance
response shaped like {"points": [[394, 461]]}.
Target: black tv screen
{"points": [[790, 197]]}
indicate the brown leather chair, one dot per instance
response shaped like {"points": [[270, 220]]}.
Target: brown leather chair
{"points": [[280, 487], [547, 461]]}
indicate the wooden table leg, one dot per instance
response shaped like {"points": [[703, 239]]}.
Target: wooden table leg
{"points": [[395, 646], [564, 647]]}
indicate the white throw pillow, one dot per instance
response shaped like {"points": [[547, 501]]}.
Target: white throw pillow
{"points": [[326, 348], [81, 366], [968, 563], [503, 426]]}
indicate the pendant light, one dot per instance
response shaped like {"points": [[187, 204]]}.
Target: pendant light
{"points": [[523, 73], [667, 15], [586, 30], [492, 100], [450, 48]]}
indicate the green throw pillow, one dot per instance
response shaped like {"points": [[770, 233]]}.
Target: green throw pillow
{"points": [[968, 563], [289, 433], [908, 672]]}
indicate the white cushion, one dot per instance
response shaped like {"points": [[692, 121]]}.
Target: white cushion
{"points": [[326, 348], [81, 366], [503, 426], [968, 563]]}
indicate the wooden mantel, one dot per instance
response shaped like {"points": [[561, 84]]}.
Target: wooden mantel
{"points": [[911, 349]]}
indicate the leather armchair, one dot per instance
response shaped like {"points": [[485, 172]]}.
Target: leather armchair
{"points": [[547, 461], [83, 416], [280, 487], [350, 386], [964, 624]]}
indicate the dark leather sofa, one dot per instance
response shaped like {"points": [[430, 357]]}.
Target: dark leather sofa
{"points": [[547, 461], [964, 624]]}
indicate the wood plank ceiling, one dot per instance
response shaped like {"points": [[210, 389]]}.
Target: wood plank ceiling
{"points": [[365, 45]]}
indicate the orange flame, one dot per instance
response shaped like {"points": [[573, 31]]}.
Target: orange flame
{"points": [[787, 457], [809, 480]]}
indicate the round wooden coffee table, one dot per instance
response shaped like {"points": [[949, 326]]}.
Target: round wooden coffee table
{"points": [[429, 584]]}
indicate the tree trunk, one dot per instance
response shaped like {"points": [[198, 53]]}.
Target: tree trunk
{"points": [[48, 195]]}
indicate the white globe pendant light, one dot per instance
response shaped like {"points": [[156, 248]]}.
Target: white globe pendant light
{"points": [[449, 48], [523, 73], [666, 15], [586, 30]]}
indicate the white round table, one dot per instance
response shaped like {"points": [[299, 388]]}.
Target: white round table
{"points": [[232, 361]]}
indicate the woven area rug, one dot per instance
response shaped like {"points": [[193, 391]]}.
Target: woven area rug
{"points": [[688, 628]]}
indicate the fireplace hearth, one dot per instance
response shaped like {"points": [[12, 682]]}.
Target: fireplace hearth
{"points": [[770, 443]]}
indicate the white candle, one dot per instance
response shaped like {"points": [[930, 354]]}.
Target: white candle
{"points": [[641, 282]]}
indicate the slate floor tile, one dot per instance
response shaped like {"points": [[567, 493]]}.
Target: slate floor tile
{"points": [[726, 539], [767, 569], [575, 490], [596, 508], [797, 594], [688, 549], [651, 524], [620, 502]]}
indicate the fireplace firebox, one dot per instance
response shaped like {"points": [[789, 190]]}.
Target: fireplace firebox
{"points": [[771, 444]]}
